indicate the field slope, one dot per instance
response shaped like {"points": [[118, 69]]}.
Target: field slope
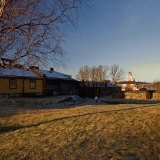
{"points": [[88, 132]]}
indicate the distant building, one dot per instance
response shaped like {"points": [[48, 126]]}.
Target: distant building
{"points": [[128, 84], [131, 84], [142, 86], [129, 77], [100, 89]]}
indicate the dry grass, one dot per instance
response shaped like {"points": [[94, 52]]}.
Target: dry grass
{"points": [[91, 132]]}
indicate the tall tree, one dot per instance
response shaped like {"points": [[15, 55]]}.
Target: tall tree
{"points": [[116, 73], [32, 31], [94, 74], [102, 71], [84, 73]]}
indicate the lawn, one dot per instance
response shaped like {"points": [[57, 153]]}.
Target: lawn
{"points": [[88, 132]]}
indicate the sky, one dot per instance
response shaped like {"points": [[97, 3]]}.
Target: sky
{"points": [[122, 32]]}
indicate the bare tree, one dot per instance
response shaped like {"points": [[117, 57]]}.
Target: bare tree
{"points": [[156, 84], [102, 71], [2, 4], [94, 74], [116, 73], [84, 73], [32, 31]]}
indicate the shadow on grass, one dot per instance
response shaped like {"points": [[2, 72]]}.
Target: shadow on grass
{"points": [[4, 129]]}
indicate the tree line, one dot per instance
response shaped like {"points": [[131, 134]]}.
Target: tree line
{"points": [[100, 73]]}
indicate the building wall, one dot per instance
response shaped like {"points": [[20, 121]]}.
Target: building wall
{"points": [[127, 86], [129, 76], [5, 89], [39, 86], [60, 86], [4, 86]]}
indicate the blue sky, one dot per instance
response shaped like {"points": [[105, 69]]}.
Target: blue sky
{"points": [[123, 32]]}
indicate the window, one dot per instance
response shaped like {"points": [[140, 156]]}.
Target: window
{"points": [[32, 83], [12, 83]]}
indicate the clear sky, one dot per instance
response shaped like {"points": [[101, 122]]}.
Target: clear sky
{"points": [[123, 32]]}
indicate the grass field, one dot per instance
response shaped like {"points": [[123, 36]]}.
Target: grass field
{"points": [[89, 132]]}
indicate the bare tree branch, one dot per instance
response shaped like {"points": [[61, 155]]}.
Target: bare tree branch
{"points": [[2, 4], [32, 31], [116, 73]]}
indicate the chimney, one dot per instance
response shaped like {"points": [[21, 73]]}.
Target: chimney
{"points": [[37, 67], [51, 69], [31, 67]]}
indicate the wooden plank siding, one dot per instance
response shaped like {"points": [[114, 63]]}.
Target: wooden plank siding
{"points": [[60, 86], [22, 86]]}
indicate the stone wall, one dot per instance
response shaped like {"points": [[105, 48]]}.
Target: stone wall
{"points": [[118, 94], [156, 95], [139, 95]]}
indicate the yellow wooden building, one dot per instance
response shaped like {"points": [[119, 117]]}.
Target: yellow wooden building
{"points": [[16, 80], [19, 81]]}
